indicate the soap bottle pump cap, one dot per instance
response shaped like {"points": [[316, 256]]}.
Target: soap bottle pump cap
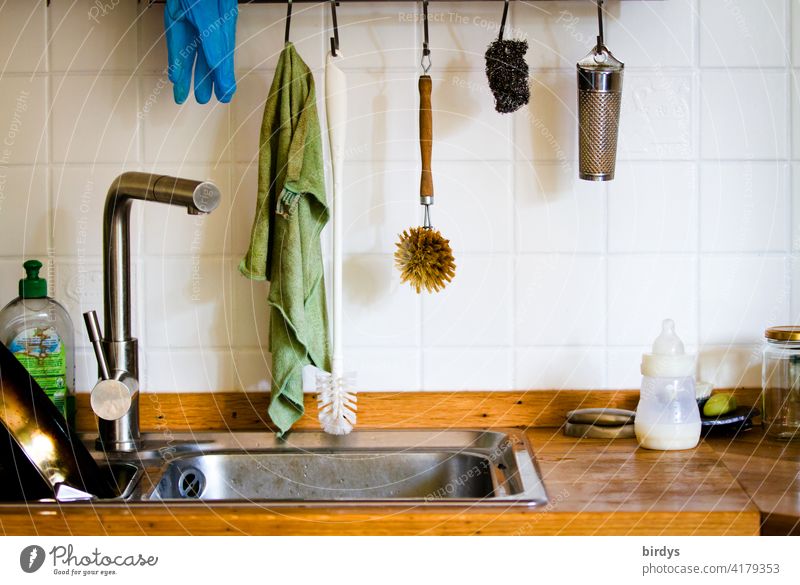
{"points": [[32, 286]]}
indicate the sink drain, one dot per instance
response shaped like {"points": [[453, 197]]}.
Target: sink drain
{"points": [[191, 484]]}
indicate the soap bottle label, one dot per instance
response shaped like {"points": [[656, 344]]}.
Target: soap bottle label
{"points": [[42, 353]]}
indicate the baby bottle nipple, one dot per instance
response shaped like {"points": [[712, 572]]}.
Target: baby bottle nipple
{"points": [[668, 342], [668, 357]]}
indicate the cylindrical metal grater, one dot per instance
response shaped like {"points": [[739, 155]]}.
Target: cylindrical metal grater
{"points": [[599, 101]]}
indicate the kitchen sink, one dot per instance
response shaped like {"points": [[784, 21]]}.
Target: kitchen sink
{"points": [[365, 467], [310, 468]]}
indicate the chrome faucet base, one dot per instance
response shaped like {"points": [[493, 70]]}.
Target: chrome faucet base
{"points": [[117, 446], [122, 434]]}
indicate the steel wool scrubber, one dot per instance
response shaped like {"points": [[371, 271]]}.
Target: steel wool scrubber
{"points": [[599, 101], [507, 70]]}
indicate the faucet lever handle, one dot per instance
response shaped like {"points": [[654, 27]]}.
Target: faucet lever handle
{"points": [[93, 329]]}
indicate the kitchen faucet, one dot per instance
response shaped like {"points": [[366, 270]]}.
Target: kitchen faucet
{"points": [[115, 398]]}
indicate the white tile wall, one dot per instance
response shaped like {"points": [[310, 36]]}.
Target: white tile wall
{"points": [[93, 118], [744, 207], [24, 218], [635, 26], [544, 130], [742, 33], [738, 294], [23, 103], [556, 213], [379, 310], [653, 207], [23, 37], [561, 283], [745, 114], [382, 201], [475, 310], [643, 289], [560, 368], [560, 300], [188, 303], [474, 202], [207, 138], [467, 369], [658, 119], [84, 38]]}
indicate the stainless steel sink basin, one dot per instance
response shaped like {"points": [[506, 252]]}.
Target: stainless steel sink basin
{"points": [[336, 476], [365, 467]]}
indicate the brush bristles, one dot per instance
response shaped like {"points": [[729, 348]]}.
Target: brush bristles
{"points": [[336, 403], [425, 259]]}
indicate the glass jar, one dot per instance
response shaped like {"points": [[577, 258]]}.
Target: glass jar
{"points": [[780, 383]]}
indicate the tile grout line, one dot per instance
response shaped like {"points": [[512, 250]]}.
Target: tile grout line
{"points": [[50, 220], [511, 177], [139, 263], [535, 163], [422, 364], [697, 104], [484, 255], [791, 285]]}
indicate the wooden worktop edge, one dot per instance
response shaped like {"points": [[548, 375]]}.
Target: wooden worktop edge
{"points": [[255, 521]]}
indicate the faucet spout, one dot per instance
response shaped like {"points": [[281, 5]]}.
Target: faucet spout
{"points": [[198, 197], [195, 196]]}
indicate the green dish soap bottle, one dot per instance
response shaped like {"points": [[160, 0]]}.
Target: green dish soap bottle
{"points": [[39, 332]]}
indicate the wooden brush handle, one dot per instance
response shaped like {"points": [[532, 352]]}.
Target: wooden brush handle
{"points": [[425, 136]]}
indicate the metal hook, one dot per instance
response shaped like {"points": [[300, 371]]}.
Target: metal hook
{"points": [[425, 62], [288, 21], [600, 43], [503, 21], [335, 37]]}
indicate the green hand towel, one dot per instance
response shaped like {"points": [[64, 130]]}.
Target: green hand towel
{"points": [[291, 211]]}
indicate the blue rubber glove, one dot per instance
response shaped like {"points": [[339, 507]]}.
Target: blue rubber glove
{"points": [[203, 79], [215, 23], [201, 34], [182, 45]]}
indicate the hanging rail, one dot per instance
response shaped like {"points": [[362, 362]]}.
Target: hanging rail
{"points": [[380, 1], [149, 2]]}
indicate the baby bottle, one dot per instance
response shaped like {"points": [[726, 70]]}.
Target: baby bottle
{"points": [[667, 417]]}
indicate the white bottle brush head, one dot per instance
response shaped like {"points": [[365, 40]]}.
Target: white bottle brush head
{"points": [[336, 403]]}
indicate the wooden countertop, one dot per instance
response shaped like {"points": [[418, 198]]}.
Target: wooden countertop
{"points": [[595, 486], [769, 472]]}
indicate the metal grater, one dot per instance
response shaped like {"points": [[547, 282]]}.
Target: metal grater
{"points": [[599, 102], [598, 119]]}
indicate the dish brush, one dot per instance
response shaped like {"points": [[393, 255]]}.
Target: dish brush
{"points": [[423, 255]]}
